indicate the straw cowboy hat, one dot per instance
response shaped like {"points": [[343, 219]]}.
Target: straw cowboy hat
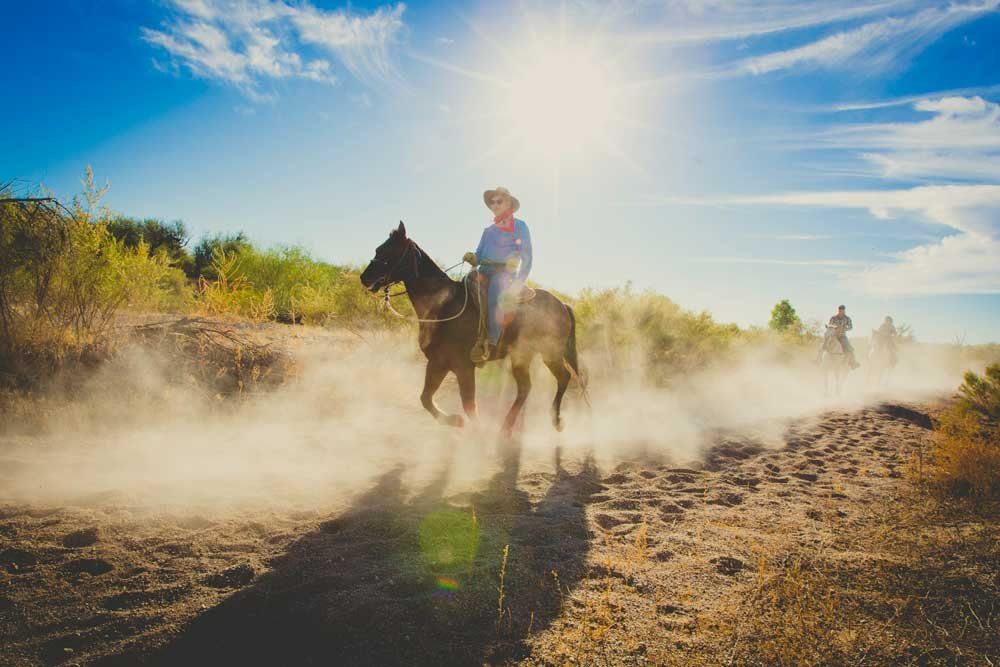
{"points": [[489, 194]]}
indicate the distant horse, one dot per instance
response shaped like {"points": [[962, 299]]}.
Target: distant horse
{"points": [[835, 361], [881, 358], [448, 313]]}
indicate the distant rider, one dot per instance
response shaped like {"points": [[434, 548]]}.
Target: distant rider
{"points": [[504, 260], [890, 334], [841, 324]]}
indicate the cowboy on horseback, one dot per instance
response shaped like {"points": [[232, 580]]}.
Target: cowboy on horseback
{"points": [[838, 326], [889, 334], [503, 258]]}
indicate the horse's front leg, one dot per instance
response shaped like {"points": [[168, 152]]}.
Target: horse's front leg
{"points": [[466, 374], [432, 381]]}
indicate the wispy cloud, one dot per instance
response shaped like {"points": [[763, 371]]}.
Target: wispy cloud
{"points": [[909, 99], [839, 263], [879, 44], [361, 42], [960, 141], [791, 237], [698, 21], [967, 262], [247, 43]]}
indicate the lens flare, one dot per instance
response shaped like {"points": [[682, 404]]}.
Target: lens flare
{"points": [[447, 585]]}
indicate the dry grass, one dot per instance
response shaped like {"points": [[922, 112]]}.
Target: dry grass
{"points": [[218, 358], [920, 587], [966, 451]]}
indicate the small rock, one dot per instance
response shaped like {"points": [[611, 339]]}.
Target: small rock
{"points": [[80, 538], [616, 478], [17, 560], [728, 565], [727, 500], [232, 577], [92, 566], [607, 521]]}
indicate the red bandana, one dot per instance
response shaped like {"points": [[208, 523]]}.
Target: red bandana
{"points": [[505, 221]]}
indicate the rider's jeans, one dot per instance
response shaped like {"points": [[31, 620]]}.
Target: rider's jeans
{"points": [[500, 284]]}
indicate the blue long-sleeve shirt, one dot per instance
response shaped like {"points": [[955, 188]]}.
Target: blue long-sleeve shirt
{"points": [[497, 245]]}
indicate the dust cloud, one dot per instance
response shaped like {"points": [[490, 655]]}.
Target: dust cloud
{"points": [[131, 438]]}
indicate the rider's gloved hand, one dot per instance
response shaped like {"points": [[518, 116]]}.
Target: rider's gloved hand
{"points": [[470, 258]]}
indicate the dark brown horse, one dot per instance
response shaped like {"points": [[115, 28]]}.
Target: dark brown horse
{"points": [[449, 322]]}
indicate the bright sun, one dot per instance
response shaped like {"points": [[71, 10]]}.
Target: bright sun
{"points": [[560, 103]]}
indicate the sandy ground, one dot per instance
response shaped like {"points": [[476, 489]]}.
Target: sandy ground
{"points": [[540, 561]]}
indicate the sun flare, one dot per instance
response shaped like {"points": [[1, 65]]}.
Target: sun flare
{"points": [[560, 103]]}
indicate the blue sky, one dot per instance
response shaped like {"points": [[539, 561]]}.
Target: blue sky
{"points": [[727, 154]]}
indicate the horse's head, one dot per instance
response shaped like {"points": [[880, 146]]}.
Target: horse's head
{"points": [[394, 261]]}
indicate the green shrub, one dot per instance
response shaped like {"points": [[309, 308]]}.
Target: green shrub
{"points": [[966, 451], [64, 276], [650, 330], [159, 237], [208, 247], [302, 287]]}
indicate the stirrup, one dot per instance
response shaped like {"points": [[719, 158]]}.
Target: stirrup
{"points": [[481, 352]]}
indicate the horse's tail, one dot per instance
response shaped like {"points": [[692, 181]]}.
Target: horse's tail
{"points": [[570, 359]]}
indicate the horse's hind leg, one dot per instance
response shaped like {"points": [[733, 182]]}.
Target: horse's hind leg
{"points": [[562, 374], [522, 376], [432, 381]]}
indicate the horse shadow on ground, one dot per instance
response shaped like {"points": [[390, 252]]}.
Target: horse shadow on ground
{"points": [[409, 579]]}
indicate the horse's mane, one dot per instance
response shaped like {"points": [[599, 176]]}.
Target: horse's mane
{"points": [[426, 261]]}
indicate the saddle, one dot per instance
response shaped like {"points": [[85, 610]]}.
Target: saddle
{"points": [[476, 283]]}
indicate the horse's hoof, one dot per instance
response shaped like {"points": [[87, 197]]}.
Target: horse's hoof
{"points": [[453, 420]]}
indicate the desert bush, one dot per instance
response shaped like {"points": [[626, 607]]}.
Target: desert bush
{"points": [[206, 250], [651, 331], [302, 287], [966, 450], [289, 285], [159, 237], [63, 277]]}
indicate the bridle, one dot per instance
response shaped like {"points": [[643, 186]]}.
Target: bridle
{"points": [[387, 281]]}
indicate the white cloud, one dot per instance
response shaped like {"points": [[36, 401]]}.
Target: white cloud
{"points": [[961, 141], [910, 99], [965, 263], [961, 264], [877, 45], [246, 43], [444, 41], [361, 43]]}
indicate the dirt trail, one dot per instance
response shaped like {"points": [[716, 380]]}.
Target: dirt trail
{"points": [[405, 574]]}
